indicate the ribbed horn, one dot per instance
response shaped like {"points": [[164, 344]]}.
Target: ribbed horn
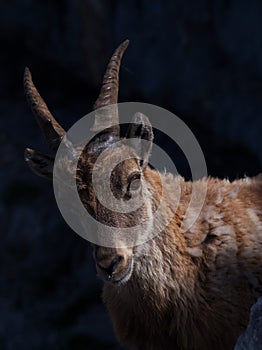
{"points": [[107, 116], [52, 131]]}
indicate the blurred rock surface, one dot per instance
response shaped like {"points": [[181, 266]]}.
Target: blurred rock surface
{"points": [[251, 339]]}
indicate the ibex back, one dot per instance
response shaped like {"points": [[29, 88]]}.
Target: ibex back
{"points": [[178, 290]]}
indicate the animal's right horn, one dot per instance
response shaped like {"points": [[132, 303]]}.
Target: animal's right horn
{"points": [[51, 129], [107, 114]]}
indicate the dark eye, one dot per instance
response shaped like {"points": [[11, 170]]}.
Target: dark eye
{"points": [[134, 182]]}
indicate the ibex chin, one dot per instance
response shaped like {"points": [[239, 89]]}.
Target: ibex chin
{"points": [[178, 290]]}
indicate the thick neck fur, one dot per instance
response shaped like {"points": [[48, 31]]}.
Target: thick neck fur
{"points": [[193, 290]]}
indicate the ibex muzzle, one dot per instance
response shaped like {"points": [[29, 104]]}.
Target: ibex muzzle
{"points": [[113, 264]]}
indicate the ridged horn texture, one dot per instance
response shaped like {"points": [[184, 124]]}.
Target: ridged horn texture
{"points": [[107, 116], [51, 129], [40, 164]]}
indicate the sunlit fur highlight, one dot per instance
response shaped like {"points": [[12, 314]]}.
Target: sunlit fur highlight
{"points": [[194, 290]]}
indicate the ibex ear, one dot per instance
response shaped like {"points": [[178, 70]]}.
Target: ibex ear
{"points": [[39, 163], [140, 130]]}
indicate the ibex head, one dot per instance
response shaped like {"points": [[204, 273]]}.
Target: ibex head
{"points": [[129, 177]]}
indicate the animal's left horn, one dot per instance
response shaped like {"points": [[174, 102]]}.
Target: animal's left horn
{"points": [[52, 131], [107, 115]]}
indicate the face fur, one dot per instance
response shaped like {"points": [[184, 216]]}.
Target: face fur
{"points": [[127, 184]]}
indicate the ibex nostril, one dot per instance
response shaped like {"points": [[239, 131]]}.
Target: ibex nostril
{"points": [[112, 266]]}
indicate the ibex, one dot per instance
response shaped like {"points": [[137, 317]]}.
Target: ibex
{"points": [[177, 290]]}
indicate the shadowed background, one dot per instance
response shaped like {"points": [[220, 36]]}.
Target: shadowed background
{"points": [[201, 60]]}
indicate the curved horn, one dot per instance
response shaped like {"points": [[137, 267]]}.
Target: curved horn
{"points": [[52, 131], [107, 99]]}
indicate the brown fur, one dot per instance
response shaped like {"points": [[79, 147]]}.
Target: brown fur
{"points": [[181, 290], [177, 300]]}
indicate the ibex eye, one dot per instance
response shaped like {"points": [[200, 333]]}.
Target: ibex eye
{"points": [[134, 182]]}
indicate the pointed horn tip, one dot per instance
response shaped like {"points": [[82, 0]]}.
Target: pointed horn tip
{"points": [[28, 153], [125, 42], [122, 47], [27, 73], [27, 79]]}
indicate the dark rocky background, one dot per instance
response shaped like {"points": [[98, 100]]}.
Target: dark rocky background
{"points": [[200, 59], [251, 338]]}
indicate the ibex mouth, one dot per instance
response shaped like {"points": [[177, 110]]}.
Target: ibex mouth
{"points": [[124, 276]]}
